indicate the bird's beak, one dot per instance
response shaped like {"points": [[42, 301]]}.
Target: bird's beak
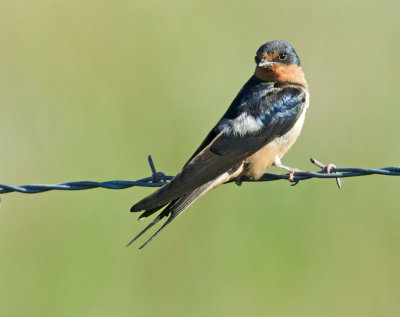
{"points": [[265, 63]]}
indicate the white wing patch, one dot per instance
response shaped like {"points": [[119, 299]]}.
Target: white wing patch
{"points": [[242, 125]]}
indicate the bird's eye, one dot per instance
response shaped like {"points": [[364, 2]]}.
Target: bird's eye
{"points": [[282, 56]]}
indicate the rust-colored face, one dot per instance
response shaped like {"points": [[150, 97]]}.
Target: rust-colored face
{"points": [[269, 57], [276, 52]]}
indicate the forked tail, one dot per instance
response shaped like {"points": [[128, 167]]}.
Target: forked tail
{"points": [[173, 210]]}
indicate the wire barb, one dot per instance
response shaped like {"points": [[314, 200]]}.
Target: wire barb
{"points": [[157, 176], [159, 179], [327, 169]]}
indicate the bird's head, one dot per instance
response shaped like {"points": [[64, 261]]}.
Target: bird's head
{"points": [[276, 53], [277, 61]]}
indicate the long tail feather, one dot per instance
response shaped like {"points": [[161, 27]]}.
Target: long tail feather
{"points": [[174, 209], [149, 212], [151, 224]]}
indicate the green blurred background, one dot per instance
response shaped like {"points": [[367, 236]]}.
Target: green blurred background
{"points": [[89, 88]]}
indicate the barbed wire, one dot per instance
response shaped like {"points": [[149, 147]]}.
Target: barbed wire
{"points": [[159, 179]]}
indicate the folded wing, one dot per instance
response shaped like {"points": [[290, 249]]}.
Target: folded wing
{"points": [[252, 121]]}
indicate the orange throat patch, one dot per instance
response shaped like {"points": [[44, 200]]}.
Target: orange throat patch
{"points": [[282, 73]]}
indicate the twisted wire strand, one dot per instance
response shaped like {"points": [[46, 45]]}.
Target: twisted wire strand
{"points": [[159, 179], [337, 172]]}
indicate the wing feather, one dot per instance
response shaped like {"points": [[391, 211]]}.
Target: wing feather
{"points": [[271, 113]]}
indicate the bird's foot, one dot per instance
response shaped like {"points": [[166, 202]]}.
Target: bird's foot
{"points": [[243, 178], [291, 176], [238, 181], [291, 170], [327, 169]]}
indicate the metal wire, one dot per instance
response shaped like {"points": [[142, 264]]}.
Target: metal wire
{"points": [[159, 179], [338, 172]]}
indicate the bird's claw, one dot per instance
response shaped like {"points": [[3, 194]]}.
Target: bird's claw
{"points": [[277, 163], [238, 181], [291, 176]]}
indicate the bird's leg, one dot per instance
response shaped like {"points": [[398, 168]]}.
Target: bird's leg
{"points": [[291, 170]]}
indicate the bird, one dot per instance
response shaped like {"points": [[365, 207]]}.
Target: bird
{"points": [[259, 127]]}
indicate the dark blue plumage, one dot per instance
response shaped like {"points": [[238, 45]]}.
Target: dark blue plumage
{"points": [[257, 98]]}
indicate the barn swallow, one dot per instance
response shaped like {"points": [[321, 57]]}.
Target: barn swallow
{"points": [[259, 127]]}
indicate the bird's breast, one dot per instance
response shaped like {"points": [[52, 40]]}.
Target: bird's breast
{"points": [[257, 163], [286, 141]]}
